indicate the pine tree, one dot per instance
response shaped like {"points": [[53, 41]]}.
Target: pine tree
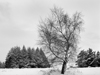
{"points": [[44, 62], [29, 50], [31, 57], [90, 57], [12, 59], [98, 54], [38, 58], [97, 60], [2, 65], [81, 59], [24, 58]]}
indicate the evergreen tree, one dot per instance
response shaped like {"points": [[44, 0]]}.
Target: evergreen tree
{"points": [[29, 53], [31, 57], [45, 62], [81, 59], [90, 57], [38, 58], [12, 59], [2, 65], [24, 58], [98, 54], [96, 61]]}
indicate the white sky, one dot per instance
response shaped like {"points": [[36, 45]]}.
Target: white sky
{"points": [[19, 21]]}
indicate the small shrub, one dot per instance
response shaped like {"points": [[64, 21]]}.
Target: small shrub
{"points": [[52, 72]]}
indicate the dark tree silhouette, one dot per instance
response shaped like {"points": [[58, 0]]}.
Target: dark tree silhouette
{"points": [[13, 58], [88, 58], [81, 59], [26, 58], [2, 65], [44, 62]]}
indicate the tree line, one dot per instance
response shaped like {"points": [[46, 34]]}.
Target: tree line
{"points": [[25, 58], [88, 58], [35, 58]]}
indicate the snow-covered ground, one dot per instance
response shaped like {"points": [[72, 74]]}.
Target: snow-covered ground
{"points": [[34, 71], [41, 71]]}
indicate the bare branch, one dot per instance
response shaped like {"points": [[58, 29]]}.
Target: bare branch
{"points": [[59, 34]]}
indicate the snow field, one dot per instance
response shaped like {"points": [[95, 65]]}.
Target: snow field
{"points": [[34, 71], [50, 71]]}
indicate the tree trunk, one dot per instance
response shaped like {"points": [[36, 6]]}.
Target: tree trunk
{"points": [[63, 67]]}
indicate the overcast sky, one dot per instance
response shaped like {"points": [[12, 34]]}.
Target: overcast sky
{"points": [[19, 20]]}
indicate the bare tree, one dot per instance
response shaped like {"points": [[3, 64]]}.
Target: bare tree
{"points": [[59, 35]]}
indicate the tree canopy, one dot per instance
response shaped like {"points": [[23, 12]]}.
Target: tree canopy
{"points": [[59, 34]]}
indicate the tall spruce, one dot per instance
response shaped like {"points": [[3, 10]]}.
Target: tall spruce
{"points": [[90, 57], [45, 62], [81, 59], [13, 58], [2, 65], [24, 58]]}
